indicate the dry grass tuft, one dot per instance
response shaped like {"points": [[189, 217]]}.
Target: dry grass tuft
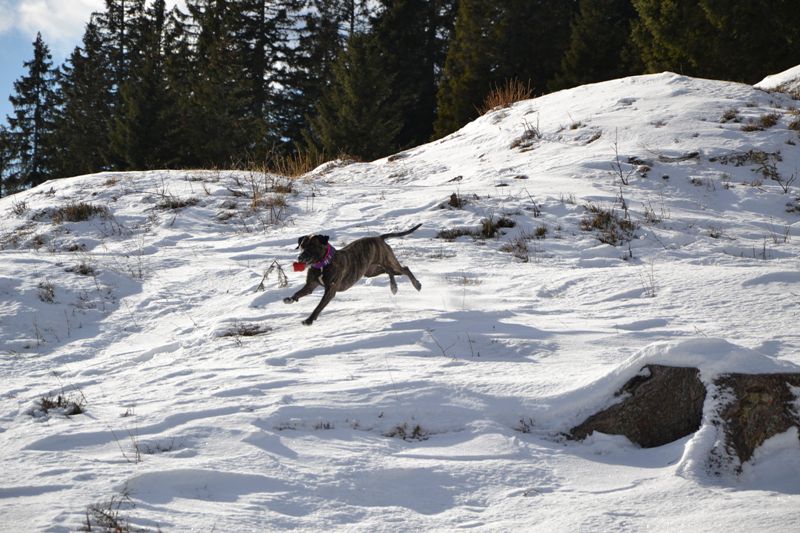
{"points": [[611, 228], [408, 433], [295, 164], [169, 202], [768, 120], [501, 96], [78, 212], [73, 403]]}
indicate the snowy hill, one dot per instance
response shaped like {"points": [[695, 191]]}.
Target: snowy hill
{"points": [[787, 81], [208, 406]]}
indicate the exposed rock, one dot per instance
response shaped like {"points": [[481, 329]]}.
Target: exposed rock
{"points": [[664, 404], [760, 406]]}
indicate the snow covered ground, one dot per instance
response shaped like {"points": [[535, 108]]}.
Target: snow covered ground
{"points": [[207, 406]]}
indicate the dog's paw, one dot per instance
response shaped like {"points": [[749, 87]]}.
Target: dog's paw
{"points": [[289, 300], [307, 322]]}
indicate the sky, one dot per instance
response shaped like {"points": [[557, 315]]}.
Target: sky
{"points": [[61, 23]]}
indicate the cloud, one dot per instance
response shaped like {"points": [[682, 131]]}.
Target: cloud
{"points": [[61, 22], [6, 16]]}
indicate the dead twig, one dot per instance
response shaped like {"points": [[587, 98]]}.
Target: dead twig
{"points": [[283, 279]]}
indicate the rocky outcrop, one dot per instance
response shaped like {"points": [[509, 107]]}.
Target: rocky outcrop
{"points": [[759, 406], [665, 403]]}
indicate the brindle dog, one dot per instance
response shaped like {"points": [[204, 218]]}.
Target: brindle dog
{"points": [[369, 257]]}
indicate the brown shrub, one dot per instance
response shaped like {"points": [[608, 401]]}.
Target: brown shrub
{"points": [[78, 212], [501, 96]]}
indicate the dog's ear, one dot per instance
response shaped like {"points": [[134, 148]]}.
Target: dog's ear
{"points": [[323, 239], [300, 241]]}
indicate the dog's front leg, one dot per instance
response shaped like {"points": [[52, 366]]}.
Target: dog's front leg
{"points": [[326, 298], [307, 289]]}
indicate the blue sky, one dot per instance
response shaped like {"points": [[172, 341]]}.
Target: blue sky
{"points": [[15, 47], [61, 23]]}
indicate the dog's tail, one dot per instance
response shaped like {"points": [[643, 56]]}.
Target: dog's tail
{"points": [[402, 233]]}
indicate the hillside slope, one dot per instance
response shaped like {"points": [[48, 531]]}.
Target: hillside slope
{"points": [[208, 406]]}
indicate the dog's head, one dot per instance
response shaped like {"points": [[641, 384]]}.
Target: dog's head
{"points": [[313, 248]]}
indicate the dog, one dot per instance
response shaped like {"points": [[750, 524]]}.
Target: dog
{"points": [[338, 270]]}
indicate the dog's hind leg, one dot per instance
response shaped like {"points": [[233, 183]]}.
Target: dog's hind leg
{"points": [[414, 281], [394, 268], [377, 270]]}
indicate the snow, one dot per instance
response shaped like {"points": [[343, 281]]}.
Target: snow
{"points": [[208, 406], [788, 80]]}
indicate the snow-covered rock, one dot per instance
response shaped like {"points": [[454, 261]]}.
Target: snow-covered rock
{"points": [[788, 81]]}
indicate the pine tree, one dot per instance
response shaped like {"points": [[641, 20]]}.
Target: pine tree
{"points": [[530, 39], [318, 33], [469, 65], [139, 129], [320, 30], [356, 114], [444, 21], [119, 26], [5, 159], [754, 38], [411, 66], [217, 127], [496, 41], [179, 79], [738, 41], [84, 120], [32, 128], [599, 47], [674, 36], [262, 34], [353, 16]]}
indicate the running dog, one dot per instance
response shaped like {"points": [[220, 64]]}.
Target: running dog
{"points": [[338, 270]]}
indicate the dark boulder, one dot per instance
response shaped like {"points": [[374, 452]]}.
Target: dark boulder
{"points": [[663, 404], [760, 406]]}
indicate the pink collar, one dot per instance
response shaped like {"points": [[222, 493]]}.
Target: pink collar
{"points": [[325, 260]]}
